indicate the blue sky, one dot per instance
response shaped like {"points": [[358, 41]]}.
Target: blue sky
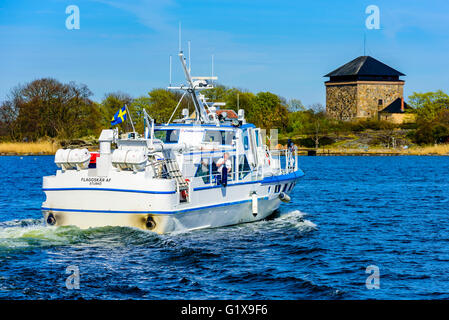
{"points": [[280, 46]]}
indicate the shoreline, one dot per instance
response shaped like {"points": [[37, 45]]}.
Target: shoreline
{"points": [[47, 148], [27, 154], [370, 153]]}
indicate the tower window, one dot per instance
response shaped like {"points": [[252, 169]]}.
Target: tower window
{"points": [[380, 102]]}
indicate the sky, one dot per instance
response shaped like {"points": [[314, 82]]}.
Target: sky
{"points": [[285, 47]]}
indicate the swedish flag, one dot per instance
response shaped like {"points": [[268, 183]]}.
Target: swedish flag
{"points": [[119, 116]]}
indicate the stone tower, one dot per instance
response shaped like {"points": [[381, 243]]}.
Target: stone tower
{"points": [[361, 88]]}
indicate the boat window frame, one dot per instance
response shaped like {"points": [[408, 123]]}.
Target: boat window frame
{"points": [[257, 137], [211, 177], [243, 173], [167, 129], [223, 134], [284, 189]]}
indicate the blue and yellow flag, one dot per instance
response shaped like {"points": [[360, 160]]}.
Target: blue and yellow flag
{"points": [[119, 116]]}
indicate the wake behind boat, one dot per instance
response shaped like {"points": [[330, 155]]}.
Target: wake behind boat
{"points": [[205, 170]]}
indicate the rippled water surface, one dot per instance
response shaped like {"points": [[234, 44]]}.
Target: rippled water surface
{"points": [[346, 213]]}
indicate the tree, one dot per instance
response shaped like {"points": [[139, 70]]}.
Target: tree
{"points": [[295, 105], [268, 112], [110, 104], [218, 93], [318, 128], [245, 101], [162, 103], [432, 109], [8, 120], [49, 108], [317, 107], [428, 105]]}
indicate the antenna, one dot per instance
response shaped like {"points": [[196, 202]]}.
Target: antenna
{"points": [[212, 75], [189, 57], [170, 69], [179, 35], [364, 43]]}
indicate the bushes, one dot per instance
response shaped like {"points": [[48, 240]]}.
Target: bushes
{"points": [[311, 143], [429, 133], [432, 109]]}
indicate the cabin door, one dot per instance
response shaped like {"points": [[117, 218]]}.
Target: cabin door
{"points": [[253, 146]]}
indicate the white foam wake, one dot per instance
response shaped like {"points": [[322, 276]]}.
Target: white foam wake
{"points": [[24, 233], [295, 218]]}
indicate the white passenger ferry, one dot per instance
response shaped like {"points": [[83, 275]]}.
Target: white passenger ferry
{"points": [[208, 169]]}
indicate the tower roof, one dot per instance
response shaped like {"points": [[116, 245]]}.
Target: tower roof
{"points": [[365, 66]]}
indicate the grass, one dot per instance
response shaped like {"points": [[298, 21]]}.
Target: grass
{"points": [[44, 147], [440, 149]]}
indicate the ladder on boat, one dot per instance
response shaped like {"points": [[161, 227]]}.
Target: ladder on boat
{"points": [[169, 169]]}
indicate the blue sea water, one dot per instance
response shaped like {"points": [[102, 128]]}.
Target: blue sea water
{"points": [[346, 214]]}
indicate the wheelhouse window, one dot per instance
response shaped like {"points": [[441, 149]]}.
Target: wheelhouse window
{"points": [[220, 137], [245, 140], [203, 170], [244, 168], [257, 138], [167, 135]]}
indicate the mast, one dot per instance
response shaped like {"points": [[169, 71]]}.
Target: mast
{"points": [[199, 106], [195, 84]]}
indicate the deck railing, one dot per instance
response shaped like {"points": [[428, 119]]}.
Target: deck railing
{"points": [[286, 160], [282, 161]]}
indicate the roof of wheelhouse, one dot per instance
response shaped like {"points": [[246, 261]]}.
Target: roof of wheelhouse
{"points": [[204, 125]]}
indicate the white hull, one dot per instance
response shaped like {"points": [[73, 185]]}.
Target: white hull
{"points": [[199, 219], [107, 205]]}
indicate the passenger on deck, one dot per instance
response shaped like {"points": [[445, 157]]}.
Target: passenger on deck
{"points": [[224, 166], [224, 162]]}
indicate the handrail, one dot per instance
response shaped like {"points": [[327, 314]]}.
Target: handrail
{"points": [[282, 161]]}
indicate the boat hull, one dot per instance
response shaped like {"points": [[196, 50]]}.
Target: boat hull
{"points": [[159, 209], [213, 217]]}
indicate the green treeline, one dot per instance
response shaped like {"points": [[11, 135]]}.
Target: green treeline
{"points": [[48, 109]]}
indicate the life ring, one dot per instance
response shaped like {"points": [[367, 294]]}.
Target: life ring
{"points": [[185, 193]]}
